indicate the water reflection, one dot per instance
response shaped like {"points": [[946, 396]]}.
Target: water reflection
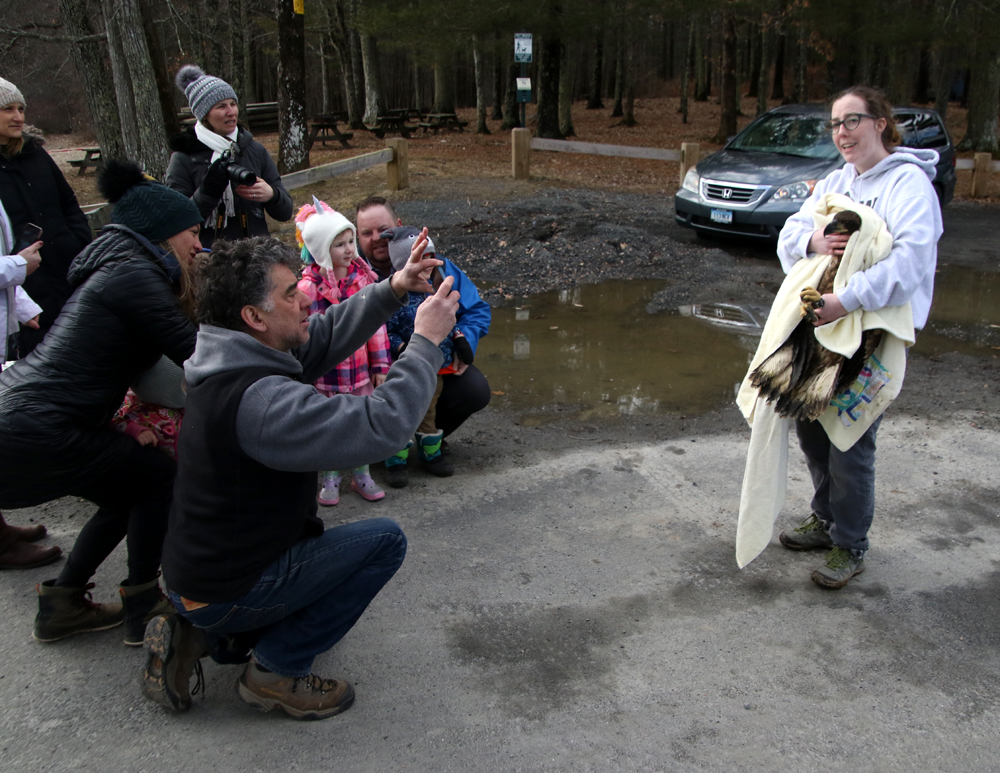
{"points": [[965, 315], [596, 348]]}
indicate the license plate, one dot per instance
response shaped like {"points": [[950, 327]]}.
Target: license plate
{"points": [[722, 216]]}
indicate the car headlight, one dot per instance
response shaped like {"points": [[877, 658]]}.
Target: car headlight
{"points": [[691, 180], [799, 190]]}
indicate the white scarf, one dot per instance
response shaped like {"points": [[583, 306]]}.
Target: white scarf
{"points": [[219, 145]]}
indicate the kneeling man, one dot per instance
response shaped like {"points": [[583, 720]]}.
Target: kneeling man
{"points": [[246, 559]]}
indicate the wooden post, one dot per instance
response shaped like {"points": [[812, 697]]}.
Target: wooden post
{"points": [[980, 175], [397, 171], [690, 152], [520, 153]]}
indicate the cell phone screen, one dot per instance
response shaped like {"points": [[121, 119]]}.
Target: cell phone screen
{"points": [[31, 234], [437, 277]]}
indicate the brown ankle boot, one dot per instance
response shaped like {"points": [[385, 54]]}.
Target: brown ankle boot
{"points": [[303, 697], [23, 533], [141, 604], [15, 554]]}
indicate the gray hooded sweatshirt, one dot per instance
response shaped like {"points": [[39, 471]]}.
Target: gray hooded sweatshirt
{"points": [[286, 424]]}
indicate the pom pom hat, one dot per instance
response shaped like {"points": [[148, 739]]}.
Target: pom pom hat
{"points": [[203, 92], [9, 93], [317, 225], [146, 206]]}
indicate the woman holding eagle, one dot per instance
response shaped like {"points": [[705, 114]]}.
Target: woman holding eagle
{"points": [[863, 249]]}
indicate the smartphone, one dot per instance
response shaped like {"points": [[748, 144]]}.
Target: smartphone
{"points": [[32, 233], [437, 277]]}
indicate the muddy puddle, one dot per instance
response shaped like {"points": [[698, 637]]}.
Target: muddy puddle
{"points": [[596, 350], [965, 315]]}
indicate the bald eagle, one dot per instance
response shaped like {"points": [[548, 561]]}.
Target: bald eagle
{"points": [[802, 376]]}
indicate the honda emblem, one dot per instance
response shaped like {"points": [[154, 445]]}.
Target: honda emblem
{"points": [[727, 193]]}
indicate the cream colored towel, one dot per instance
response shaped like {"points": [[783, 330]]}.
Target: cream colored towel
{"points": [[849, 417]]}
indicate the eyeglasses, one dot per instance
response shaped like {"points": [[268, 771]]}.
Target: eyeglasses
{"points": [[851, 122]]}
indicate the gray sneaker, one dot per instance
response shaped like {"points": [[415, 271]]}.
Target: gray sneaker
{"points": [[811, 533], [841, 565]]}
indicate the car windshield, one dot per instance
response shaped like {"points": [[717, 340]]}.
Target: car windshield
{"points": [[790, 135]]}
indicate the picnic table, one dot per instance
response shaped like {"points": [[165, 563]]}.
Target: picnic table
{"points": [[91, 159], [435, 121], [324, 127], [391, 124]]}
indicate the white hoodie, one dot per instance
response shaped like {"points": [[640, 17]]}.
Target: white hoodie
{"points": [[899, 189]]}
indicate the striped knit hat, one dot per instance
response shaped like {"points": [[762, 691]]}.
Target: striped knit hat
{"points": [[203, 92]]}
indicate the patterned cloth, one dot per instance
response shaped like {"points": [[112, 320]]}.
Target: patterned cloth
{"points": [[372, 358], [134, 416]]}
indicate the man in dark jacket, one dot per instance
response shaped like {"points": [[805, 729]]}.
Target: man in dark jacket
{"points": [[246, 559]]}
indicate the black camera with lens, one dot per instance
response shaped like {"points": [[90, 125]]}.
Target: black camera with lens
{"points": [[240, 175]]}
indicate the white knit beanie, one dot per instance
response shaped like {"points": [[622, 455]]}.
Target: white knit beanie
{"points": [[319, 231], [9, 93]]}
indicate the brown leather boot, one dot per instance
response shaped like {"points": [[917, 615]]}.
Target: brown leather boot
{"points": [[24, 533], [15, 554]]}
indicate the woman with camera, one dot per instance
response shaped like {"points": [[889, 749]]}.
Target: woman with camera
{"points": [[221, 167]]}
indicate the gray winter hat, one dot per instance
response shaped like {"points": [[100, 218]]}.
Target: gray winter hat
{"points": [[9, 93], [401, 241], [203, 92]]}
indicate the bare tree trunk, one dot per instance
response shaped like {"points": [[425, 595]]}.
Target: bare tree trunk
{"points": [[293, 132], [801, 63], [249, 80], [510, 111], [941, 83], [444, 81], [753, 76], [594, 101], [616, 109], [686, 73], [702, 81], [548, 87], [98, 84], [565, 94], [727, 81], [164, 83], [374, 102], [481, 106], [778, 89], [498, 60], [984, 89], [135, 85], [357, 63], [766, 52], [340, 37]]}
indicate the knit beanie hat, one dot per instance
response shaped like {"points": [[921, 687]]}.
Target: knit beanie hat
{"points": [[401, 241], [9, 93], [146, 206], [318, 224], [203, 92]]}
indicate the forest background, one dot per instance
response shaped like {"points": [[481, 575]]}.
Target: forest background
{"points": [[107, 66]]}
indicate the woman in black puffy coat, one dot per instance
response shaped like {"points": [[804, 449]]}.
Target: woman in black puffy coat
{"points": [[206, 158], [57, 403], [33, 190]]}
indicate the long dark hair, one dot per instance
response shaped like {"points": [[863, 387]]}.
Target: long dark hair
{"points": [[877, 106]]}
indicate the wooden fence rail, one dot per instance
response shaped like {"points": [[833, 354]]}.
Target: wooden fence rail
{"points": [[522, 143]]}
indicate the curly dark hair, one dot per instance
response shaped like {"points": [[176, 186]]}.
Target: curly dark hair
{"points": [[238, 274]]}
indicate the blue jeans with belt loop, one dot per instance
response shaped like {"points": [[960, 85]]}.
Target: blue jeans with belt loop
{"points": [[309, 598], [844, 483]]}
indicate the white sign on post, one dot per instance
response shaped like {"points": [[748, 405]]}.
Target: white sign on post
{"points": [[522, 47]]}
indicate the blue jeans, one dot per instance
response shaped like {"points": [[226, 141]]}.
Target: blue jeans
{"points": [[309, 598], [844, 483]]}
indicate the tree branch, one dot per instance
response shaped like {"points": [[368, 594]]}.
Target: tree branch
{"points": [[21, 33]]}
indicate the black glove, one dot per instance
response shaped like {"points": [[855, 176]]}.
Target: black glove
{"points": [[216, 180], [463, 349]]}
